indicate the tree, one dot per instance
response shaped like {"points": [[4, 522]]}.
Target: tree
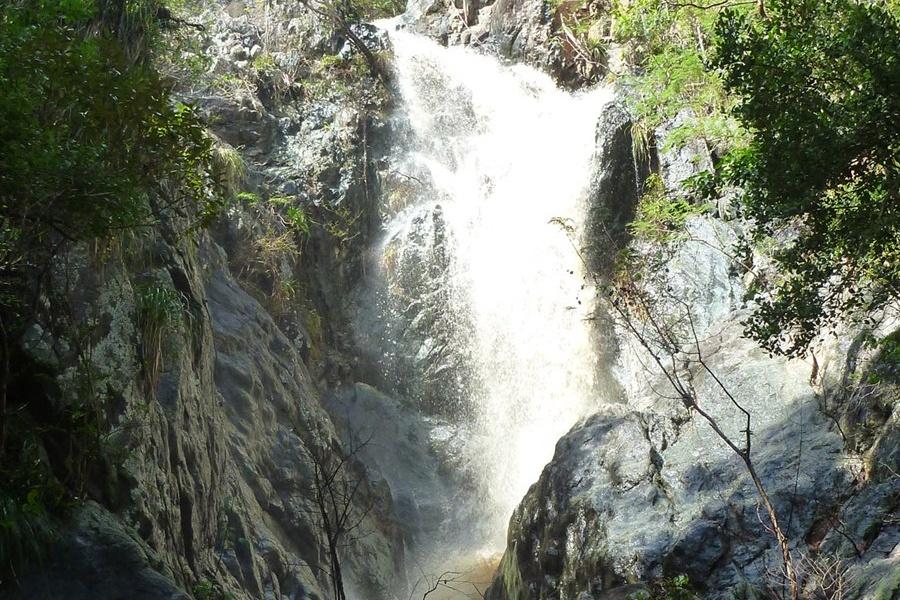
{"points": [[338, 492], [819, 88], [345, 15], [91, 144]]}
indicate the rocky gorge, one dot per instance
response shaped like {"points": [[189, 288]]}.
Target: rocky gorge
{"points": [[403, 308]]}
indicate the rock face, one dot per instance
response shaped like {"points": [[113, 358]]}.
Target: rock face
{"points": [[216, 492], [407, 330], [615, 188], [644, 490], [522, 30], [528, 31], [415, 457], [209, 489], [99, 558]]}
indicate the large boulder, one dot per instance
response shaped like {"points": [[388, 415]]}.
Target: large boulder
{"points": [[636, 495], [98, 557]]}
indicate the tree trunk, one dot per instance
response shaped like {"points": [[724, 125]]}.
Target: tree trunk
{"points": [[789, 571]]}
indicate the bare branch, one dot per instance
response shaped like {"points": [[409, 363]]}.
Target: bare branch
{"points": [[683, 385]]}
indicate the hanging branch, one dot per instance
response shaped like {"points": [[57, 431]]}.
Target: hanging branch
{"points": [[165, 16], [338, 13]]}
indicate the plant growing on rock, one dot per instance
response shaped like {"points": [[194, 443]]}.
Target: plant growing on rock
{"points": [[581, 37], [207, 590], [344, 15], [667, 45], [660, 217], [25, 529], [158, 308], [676, 588]]}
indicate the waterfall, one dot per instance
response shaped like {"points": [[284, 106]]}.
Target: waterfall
{"points": [[488, 295]]}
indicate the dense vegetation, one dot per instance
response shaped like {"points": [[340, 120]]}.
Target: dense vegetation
{"points": [[92, 148], [799, 104], [819, 84]]}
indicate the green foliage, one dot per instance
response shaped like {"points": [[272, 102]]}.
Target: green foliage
{"points": [[158, 310], [231, 167], [25, 529], [312, 322], [802, 110], [27, 497], [348, 80], [889, 347], [379, 9], [132, 23], [660, 217], [676, 588], [339, 223], [227, 82], [297, 218], [207, 590], [667, 44], [248, 198], [819, 83], [264, 64], [282, 228], [53, 442], [660, 221], [274, 245], [293, 216], [356, 11], [90, 142], [85, 135]]}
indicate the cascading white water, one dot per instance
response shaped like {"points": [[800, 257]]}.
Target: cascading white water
{"points": [[497, 153]]}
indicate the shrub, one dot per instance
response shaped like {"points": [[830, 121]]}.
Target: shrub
{"points": [[818, 86], [661, 218], [25, 529], [668, 45], [91, 143], [676, 588], [158, 309]]}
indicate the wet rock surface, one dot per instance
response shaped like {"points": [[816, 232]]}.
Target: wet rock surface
{"points": [[415, 457], [615, 188]]}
